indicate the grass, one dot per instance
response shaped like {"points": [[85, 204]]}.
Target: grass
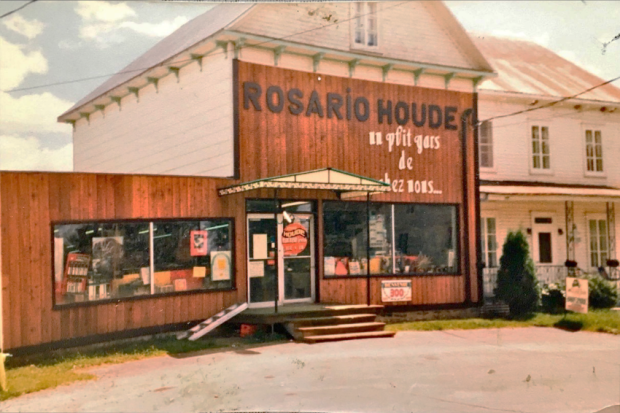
{"points": [[606, 321], [29, 374]]}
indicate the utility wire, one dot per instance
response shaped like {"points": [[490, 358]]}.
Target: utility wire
{"points": [[17, 9], [547, 105], [190, 59]]}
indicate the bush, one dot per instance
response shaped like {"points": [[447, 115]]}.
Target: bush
{"points": [[601, 294], [553, 298], [516, 279]]}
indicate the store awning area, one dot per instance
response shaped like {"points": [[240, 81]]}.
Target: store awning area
{"points": [[527, 191], [345, 183]]}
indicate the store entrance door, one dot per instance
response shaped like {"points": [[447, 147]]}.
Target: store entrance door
{"points": [[280, 259]]}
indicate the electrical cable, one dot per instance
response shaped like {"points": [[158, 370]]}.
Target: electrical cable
{"points": [[17, 9], [190, 59]]}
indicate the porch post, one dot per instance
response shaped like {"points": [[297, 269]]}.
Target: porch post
{"points": [[611, 230], [368, 248], [277, 284], [569, 208]]}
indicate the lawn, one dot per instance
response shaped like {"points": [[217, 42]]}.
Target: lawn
{"points": [[606, 321], [44, 371], [29, 374]]}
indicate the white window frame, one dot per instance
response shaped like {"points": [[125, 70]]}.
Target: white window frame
{"points": [[540, 170], [491, 145], [597, 218], [484, 241], [584, 130], [364, 20]]}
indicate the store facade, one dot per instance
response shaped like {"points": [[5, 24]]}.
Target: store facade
{"points": [[330, 189]]}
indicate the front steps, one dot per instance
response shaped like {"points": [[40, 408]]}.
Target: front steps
{"points": [[343, 323]]}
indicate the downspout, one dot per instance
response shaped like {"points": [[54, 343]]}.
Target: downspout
{"points": [[3, 356]]}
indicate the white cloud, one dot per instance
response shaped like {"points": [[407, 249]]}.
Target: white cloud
{"points": [[15, 65], [32, 113], [28, 28], [27, 154], [156, 29], [104, 11]]}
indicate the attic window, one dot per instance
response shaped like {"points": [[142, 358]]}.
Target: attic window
{"points": [[365, 22]]}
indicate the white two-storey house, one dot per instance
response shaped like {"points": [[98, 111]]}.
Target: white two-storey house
{"points": [[549, 159]]}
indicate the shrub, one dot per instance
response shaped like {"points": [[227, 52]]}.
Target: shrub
{"points": [[553, 298], [516, 279], [601, 294]]}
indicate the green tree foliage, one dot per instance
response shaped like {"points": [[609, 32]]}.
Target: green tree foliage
{"points": [[601, 294], [516, 279]]}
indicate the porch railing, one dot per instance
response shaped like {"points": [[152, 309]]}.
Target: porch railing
{"points": [[547, 274]]}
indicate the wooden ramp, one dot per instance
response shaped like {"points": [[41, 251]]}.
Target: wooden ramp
{"points": [[211, 323]]}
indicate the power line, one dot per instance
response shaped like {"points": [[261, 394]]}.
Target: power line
{"points": [[547, 105], [190, 59], [17, 9]]}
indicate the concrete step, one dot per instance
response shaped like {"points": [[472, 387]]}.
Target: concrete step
{"points": [[331, 320], [340, 329], [352, 336]]}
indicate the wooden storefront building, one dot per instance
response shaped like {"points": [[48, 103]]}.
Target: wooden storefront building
{"points": [[247, 165]]}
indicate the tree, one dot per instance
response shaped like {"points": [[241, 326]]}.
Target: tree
{"points": [[516, 279]]}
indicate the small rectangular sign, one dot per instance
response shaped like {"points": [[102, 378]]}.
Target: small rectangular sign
{"points": [[256, 269], [577, 295], [395, 291]]}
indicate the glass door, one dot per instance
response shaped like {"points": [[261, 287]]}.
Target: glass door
{"points": [[262, 268], [297, 257], [280, 255]]}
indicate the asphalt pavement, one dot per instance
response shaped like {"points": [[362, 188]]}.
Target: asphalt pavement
{"points": [[499, 370]]}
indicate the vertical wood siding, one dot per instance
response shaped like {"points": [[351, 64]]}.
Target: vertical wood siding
{"points": [[30, 202], [273, 144]]}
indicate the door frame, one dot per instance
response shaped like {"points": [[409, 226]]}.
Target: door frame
{"points": [[280, 259], [543, 227]]}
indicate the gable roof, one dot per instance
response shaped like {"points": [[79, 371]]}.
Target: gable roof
{"points": [[527, 68], [184, 37], [465, 57]]}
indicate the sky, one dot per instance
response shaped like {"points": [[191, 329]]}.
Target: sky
{"points": [[50, 42]]}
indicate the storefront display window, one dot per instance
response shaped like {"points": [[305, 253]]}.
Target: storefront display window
{"points": [[404, 239], [111, 260]]}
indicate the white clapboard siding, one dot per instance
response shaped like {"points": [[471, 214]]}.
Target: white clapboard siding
{"points": [[512, 216], [183, 128], [407, 31], [512, 143]]}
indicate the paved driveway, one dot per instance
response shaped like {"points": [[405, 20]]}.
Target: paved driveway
{"points": [[506, 370]]}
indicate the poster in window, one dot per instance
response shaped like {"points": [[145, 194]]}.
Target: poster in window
{"points": [[329, 264], [77, 265], [198, 246], [294, 239], [220, 265], [107, 256]]}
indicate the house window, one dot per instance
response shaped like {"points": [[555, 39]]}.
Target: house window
{"points": [[541, 159], [594, 151], [488, 242], [366, 22], [599, 250], [485, 144], [95, 261]]}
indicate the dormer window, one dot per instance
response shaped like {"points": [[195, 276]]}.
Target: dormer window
{"points": [[365, 25]]}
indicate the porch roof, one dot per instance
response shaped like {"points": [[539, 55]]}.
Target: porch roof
{"points": [[559, 192], [325, 178]]}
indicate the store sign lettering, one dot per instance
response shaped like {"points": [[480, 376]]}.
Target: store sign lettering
{"points": [[337, 106]]}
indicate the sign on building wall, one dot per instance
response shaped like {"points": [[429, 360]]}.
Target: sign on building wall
{"points": [[395, 291], [291, 121], [577, 295]]}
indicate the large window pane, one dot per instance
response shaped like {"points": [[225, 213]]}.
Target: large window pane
{"points": [[345, 238], [180, 264], [98, 261], [110, 260], [426, 238]]}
